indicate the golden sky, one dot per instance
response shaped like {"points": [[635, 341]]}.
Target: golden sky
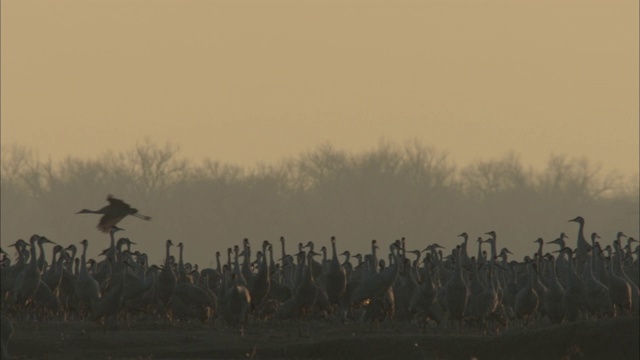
{"points": [[250, 81]]}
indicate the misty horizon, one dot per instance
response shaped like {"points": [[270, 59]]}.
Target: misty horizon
{"points": [[395, 190]]}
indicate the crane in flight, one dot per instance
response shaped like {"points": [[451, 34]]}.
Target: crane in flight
{"points": [[113, 213]]}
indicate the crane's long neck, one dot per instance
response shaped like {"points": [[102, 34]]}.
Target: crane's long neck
{"points": [[284, 253], [112, 246], [618, 260], [427, 274], [540, 243], [553, 276], [309, 272], [167, 259], [33, 261], [458, 272], [83, 259], [264, 265], [463, 248], [22, 255], [247, 257], [493, 248], [41, 259], [236, 263], [60, 262], [572, 277], [374, 259], [582, 242], [272, 263]]}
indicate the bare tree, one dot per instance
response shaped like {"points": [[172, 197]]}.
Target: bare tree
{"points": [[577, 177], [486, 178]]}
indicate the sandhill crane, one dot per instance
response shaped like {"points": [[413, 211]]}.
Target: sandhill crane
{"points": [[316, 267], [195, 301], [247, 272], [378, 283], [540, 288], [456, 292], [573, 300], [596, 293], [29, 278], [240, 279], [527, 299], [619, 271], [373, 266], [553, 297], [487, 301], [619, 290], [113, 213], [87, 288], [237, 302], [182, 275], [424, 296], [336, 277], [45, 302], [561, 261], [582, 245], [306, 292], [10, 274], [166, 283], [108, 306], [53, 275], [463, 249], [261, 283], [42, 262]]}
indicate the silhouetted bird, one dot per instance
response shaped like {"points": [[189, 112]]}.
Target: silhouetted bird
{"points": [[113, 213]]}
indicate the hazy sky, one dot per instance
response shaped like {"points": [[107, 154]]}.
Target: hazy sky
{"points": [[249, 81]]}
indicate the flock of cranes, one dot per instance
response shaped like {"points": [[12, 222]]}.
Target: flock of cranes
{"points": [[459, 291]]}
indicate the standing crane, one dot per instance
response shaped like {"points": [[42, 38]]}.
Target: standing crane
{"points": [[113, 213]]}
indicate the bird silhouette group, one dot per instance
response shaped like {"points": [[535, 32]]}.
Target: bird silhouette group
{"points": [[422, 284]]}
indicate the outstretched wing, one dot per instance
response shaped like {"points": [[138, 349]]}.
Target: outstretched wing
{"points": [[117, 202]]}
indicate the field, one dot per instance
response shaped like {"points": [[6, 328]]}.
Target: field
{"points": [[602, 339]]}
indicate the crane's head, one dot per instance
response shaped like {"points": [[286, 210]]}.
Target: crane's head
{"points": [[578, 219], [44, 240]]}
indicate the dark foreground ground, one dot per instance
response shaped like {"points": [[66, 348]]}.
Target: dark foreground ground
{"points": [[603, 339]]}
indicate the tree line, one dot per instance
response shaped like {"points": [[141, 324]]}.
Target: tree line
{"points": [[393, 190]]}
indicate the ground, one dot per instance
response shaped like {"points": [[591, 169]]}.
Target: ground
{"points": [[601, 339]]}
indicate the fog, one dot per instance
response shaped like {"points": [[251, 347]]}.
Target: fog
{"points": [[395, 190]]}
